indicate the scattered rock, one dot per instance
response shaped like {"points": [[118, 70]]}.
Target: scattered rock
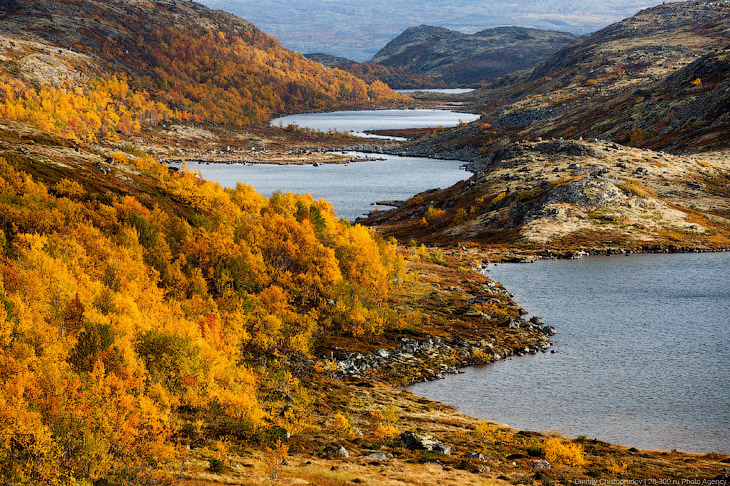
{"points": [[342, 452], [376, 456], [417, 442], [549, 331], [541, 464], [475, 455]]}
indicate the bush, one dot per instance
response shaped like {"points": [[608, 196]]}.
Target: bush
{"points": [[558, 452], [95, 344], [534, 450], [216, 465]]}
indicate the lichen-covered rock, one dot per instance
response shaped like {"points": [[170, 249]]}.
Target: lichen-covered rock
{"points": [[419, 442]]}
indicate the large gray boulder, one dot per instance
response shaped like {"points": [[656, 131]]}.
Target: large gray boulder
{"points": [[423, 442]]}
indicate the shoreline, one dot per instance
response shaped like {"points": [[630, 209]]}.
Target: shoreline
{"points": [[473, 366]]}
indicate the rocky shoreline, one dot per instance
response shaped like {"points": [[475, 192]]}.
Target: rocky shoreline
{"points": [[431, 357]]}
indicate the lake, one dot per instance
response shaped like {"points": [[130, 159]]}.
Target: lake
{"points": [[641, 359], [437, 90], [357, 122], [351, 188]]}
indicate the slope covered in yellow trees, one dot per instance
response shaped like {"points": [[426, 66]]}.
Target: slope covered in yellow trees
{"points": [[128, 322], [87, 69]]}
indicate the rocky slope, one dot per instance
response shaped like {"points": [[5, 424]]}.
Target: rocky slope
{"points": [[657, 80], [463, 59], [576, 194]]}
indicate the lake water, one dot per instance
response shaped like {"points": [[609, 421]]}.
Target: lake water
{"points": [[440, 90], [357, 122], [351, 187], [642, 353]]}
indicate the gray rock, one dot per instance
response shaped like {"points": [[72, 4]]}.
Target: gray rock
{"points": [[537, 320], [549, 331], [418, 442], [541, 464], [381, 353], [376, 456], [475, 455], [342, 452]]}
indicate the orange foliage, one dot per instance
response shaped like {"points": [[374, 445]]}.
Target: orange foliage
{"points": [[115, 317]]}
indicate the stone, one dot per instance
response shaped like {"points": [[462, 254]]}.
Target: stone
{"points": [[420, 442], [540, 464], [549, 330], [381, 353], [376, 456], [475, 455], [537, 320], [342, 452]]}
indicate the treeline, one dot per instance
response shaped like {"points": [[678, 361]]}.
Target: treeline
{"points": [[128, 326]]}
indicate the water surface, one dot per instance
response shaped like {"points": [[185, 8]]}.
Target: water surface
{"points": [[357, 122], [351, 188], [439, 90], [642, 353]]}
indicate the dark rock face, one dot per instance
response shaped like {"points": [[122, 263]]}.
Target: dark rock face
{"points": [[418, 442]]}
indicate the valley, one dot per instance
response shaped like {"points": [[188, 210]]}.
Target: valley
{"points": [[221, 262]]}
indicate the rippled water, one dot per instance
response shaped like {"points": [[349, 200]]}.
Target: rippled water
{"points": [[358, 122], [642, 353], [351, 188]]}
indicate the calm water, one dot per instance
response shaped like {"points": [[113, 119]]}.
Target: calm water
{"points": [[440, 90], [642, 353], [351, 187], [358, 122]]}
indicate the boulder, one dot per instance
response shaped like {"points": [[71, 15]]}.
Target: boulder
{"points": [[540, 464], [549, 330], [342, 452], [537, 320], [376, 456], [475, 455], [419, 442]]}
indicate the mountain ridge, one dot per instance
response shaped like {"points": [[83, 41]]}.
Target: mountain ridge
{"points": [[469, 59]]}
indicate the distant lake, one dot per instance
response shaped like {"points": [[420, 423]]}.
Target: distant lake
{"points": [[351, 188], [440, 90], [642, 353], [357, 122]]}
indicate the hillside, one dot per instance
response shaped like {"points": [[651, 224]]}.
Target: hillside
{"points": [[158, 329], [656, 80], [460, 59], [395, 77], [565, 195], [160, 62]]}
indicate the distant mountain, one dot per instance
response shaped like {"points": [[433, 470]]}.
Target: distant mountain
{"points": [[396, 77], [461, 59], [356, 30], [657, 80]]}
